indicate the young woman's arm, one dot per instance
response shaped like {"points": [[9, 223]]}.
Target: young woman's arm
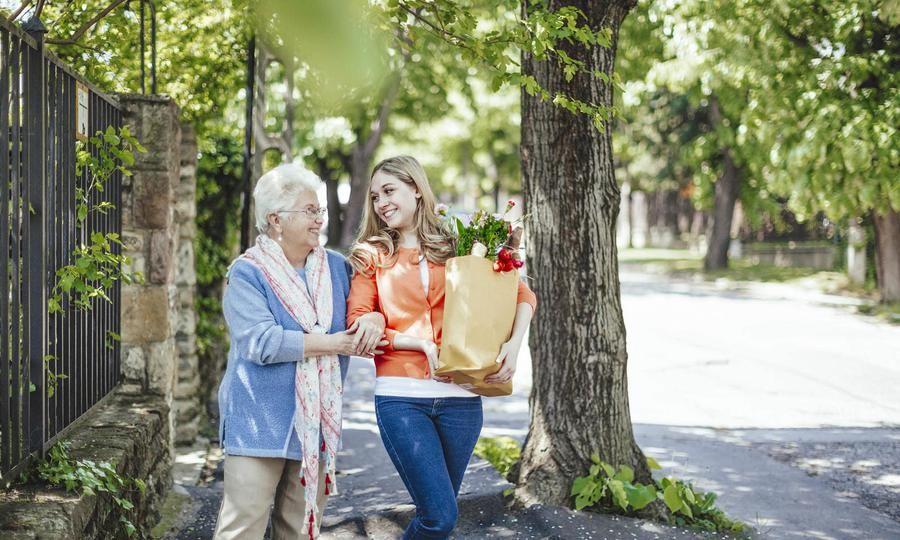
{"points": [[363, 317], [409, 343], [509, 351]]}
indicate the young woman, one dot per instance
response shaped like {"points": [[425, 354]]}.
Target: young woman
{"points": [[429, 426]]}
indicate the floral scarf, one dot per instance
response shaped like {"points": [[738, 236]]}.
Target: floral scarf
{"points": [[317, 381]]}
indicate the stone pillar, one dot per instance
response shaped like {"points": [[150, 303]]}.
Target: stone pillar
{"points": [[150, 232], [187, 402], [856, 253]]}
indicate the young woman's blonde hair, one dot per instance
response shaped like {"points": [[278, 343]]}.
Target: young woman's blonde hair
{"points": [[376, 243]]}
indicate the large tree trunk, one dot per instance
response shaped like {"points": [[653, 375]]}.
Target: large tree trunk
{"points": [[579, 402], [727, 188], [887, 255]]}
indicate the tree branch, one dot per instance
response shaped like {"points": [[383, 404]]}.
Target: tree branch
{"points": [[88, 25], [19, 10], [380, 123]]}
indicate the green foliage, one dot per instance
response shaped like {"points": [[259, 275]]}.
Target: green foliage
{"points": [[218, 207], [492, 36], [96, 266], [89, 478], [501, 452], [614, 489], [606, 486], [484, 228], [53, 377], [807, 96]]}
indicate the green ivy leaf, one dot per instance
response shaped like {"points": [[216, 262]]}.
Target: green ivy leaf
{"points": [[672, 498]]}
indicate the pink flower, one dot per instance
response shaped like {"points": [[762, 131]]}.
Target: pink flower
{"points": [[509, 205], [441, 209]]}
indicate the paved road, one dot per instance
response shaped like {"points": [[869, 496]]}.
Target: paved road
{"points": [[764, 356], [782, 401]]}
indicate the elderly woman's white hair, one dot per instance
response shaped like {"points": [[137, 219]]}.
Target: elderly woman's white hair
{"points": [[278, 190]]}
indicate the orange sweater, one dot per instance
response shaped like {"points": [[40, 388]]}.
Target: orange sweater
{"points": [[396, 293]]}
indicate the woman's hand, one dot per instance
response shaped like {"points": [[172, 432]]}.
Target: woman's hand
{"points": [[508, 357], [431, 353], [369, 333], [344, 343]]}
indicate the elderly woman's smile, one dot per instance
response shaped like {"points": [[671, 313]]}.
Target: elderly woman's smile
{"points": [[297, 229]]}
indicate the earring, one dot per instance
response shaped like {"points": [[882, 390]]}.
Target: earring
{"points": [[280, 238]]}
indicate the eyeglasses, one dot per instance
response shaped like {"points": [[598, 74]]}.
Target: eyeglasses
{"points": [[308, 212]]}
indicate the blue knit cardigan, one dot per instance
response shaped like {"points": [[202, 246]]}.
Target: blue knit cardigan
{"points": [[256, 396]]}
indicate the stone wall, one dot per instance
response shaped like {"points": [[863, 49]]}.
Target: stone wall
{"points": [[159, 320], [187, 400], [128, 430], [149, 232]]}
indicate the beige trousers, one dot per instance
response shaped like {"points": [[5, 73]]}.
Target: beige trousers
{"points": [[252, 486]]}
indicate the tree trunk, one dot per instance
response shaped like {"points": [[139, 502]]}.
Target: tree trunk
{"points": [[887, 255], [579, 402], [361, 162], [335, 212], [727, 188]]}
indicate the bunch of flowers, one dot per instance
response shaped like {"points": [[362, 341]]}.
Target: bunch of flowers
{"points": [[487, 235]]}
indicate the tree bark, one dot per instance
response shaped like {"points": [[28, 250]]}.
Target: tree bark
{"points": [[887, 255], [727, 188], [361, 161], [335, 211], [579, 401]]}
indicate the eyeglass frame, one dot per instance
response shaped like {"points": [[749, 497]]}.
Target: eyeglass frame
{"points": [[311, 214]]}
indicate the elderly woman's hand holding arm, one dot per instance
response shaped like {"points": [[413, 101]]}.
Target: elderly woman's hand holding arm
{"points": [[262, 340], [346, 343]]}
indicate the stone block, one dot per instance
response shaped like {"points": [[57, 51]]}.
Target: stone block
{"points": [[145, 314], [162, 257], [138, 264], [187, 345], [161, 361], [154, 122], [185, 208], [133, 366], [185, 273], [153, 199], [185, 323], [188, 230], [187, 432], [188, 367], [133, 241]]}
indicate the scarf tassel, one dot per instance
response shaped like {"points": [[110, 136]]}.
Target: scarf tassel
{"points": [[312, 519], [327, 484]]}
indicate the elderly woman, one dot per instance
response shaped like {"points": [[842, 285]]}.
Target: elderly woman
{"points": [[280, 399]]}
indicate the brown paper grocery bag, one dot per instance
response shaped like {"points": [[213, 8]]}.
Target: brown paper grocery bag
{"points": [[479, 310]]}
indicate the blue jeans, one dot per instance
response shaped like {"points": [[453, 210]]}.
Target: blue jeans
{"points": [[430, 441]]}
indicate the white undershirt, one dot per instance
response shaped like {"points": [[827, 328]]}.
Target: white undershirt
{"points": [[419, 388]]}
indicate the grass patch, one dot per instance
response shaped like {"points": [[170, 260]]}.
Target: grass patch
{"points": [[889, 312], [744, 270], [501, 452], [683, 263]]}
